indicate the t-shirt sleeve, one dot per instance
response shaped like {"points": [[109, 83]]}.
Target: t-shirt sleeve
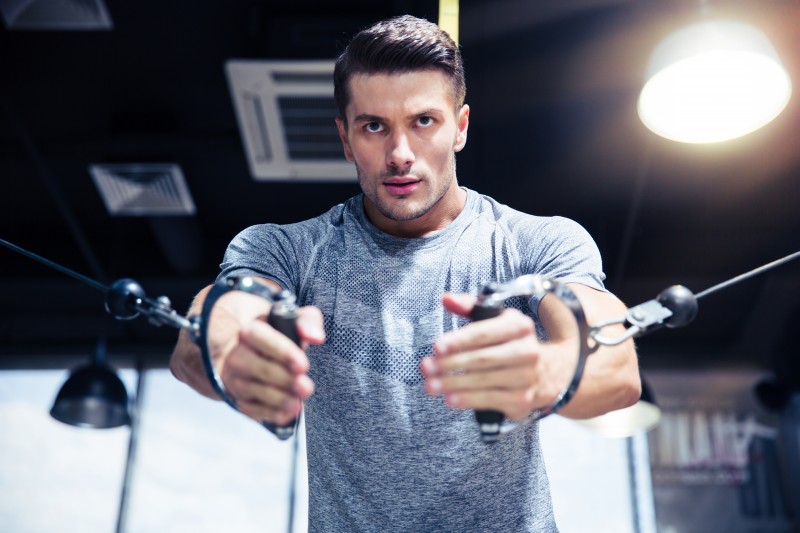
{"points": [[263, 250], [564, 251], [558, 248]]}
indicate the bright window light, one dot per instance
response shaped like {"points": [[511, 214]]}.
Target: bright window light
{"points": [[200, 467], [55, 477]]}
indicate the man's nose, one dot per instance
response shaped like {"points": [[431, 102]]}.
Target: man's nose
{"points": [[399, 152]]}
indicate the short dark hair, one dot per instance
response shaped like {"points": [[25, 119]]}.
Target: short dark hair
{"points": [[397, 45]]}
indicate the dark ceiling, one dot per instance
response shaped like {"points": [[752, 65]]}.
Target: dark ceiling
{"points": [[552, 87]]}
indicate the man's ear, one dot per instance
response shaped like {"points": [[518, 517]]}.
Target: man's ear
{"points": [[463, 126], [348, 153]]}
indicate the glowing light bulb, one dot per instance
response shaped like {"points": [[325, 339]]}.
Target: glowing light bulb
{"points": [[712, 82]]}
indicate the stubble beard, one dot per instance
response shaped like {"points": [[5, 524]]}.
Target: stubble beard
{"points": [[402, 214]]}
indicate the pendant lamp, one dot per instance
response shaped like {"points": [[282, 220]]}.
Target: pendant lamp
{"points": [[93, 396], [713, 81]]}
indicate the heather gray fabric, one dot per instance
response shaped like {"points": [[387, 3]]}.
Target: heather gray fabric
{"points": [[383, 456]]}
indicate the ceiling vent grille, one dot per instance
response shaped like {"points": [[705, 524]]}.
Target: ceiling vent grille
{"points": [[58, 15], [286, 111], [143, 189]]}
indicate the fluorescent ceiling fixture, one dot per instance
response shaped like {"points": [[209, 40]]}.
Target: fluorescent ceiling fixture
{"points": [[57, 15], [286, 111], [143, 189], [713, 81]]}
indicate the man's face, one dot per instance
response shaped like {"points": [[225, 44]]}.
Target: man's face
{"points": [[402, 135]]}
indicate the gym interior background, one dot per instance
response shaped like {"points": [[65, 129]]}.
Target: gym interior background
{"points": [[131, 146]]}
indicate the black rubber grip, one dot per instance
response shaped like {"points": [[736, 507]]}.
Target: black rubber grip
{"points": [[285, 322], [487, 418], [481, 312]]}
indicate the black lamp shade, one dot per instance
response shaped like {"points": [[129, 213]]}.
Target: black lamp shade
{"points": [[93, 396]]}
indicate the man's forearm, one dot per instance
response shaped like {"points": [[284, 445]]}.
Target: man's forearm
{"points": [[185, 363], [610, 381], [611, 375]]}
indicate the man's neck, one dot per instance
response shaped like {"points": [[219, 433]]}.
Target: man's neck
{"points": [[439, 217]]}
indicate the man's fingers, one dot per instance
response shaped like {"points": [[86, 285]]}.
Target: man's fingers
{"points": [[310, 325], [460, 304], [510, 325], [500, 379], [300, 388], [516, 404], [264, 389], [515, 353], [245, 365], [275, 405], [266, 374], [266, 340], [281, 415]]}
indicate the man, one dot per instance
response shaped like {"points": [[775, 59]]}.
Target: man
{"points": [[394, 367]]}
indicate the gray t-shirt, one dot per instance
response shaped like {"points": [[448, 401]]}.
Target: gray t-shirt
{"points": [[383, 456]]}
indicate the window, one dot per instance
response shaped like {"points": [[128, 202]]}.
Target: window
{"points": [[198, 466]]}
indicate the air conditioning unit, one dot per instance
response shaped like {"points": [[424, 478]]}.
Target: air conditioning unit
{"points": [[286, 111], [143, 189]]}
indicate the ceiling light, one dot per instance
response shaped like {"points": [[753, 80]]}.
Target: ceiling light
{"points": [[713, 81]]}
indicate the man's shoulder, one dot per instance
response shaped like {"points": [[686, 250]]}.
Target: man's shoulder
{"points": [[531, 231], [337, 216], [486, 205]]}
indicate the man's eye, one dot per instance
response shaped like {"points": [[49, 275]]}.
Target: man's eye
{"points": [[373, 127], [425, 121]]}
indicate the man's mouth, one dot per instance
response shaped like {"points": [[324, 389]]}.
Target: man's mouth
{"points": [[401, 186]]}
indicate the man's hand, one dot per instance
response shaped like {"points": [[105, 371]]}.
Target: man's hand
{"points": [[265, 371], [499, 364]]}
